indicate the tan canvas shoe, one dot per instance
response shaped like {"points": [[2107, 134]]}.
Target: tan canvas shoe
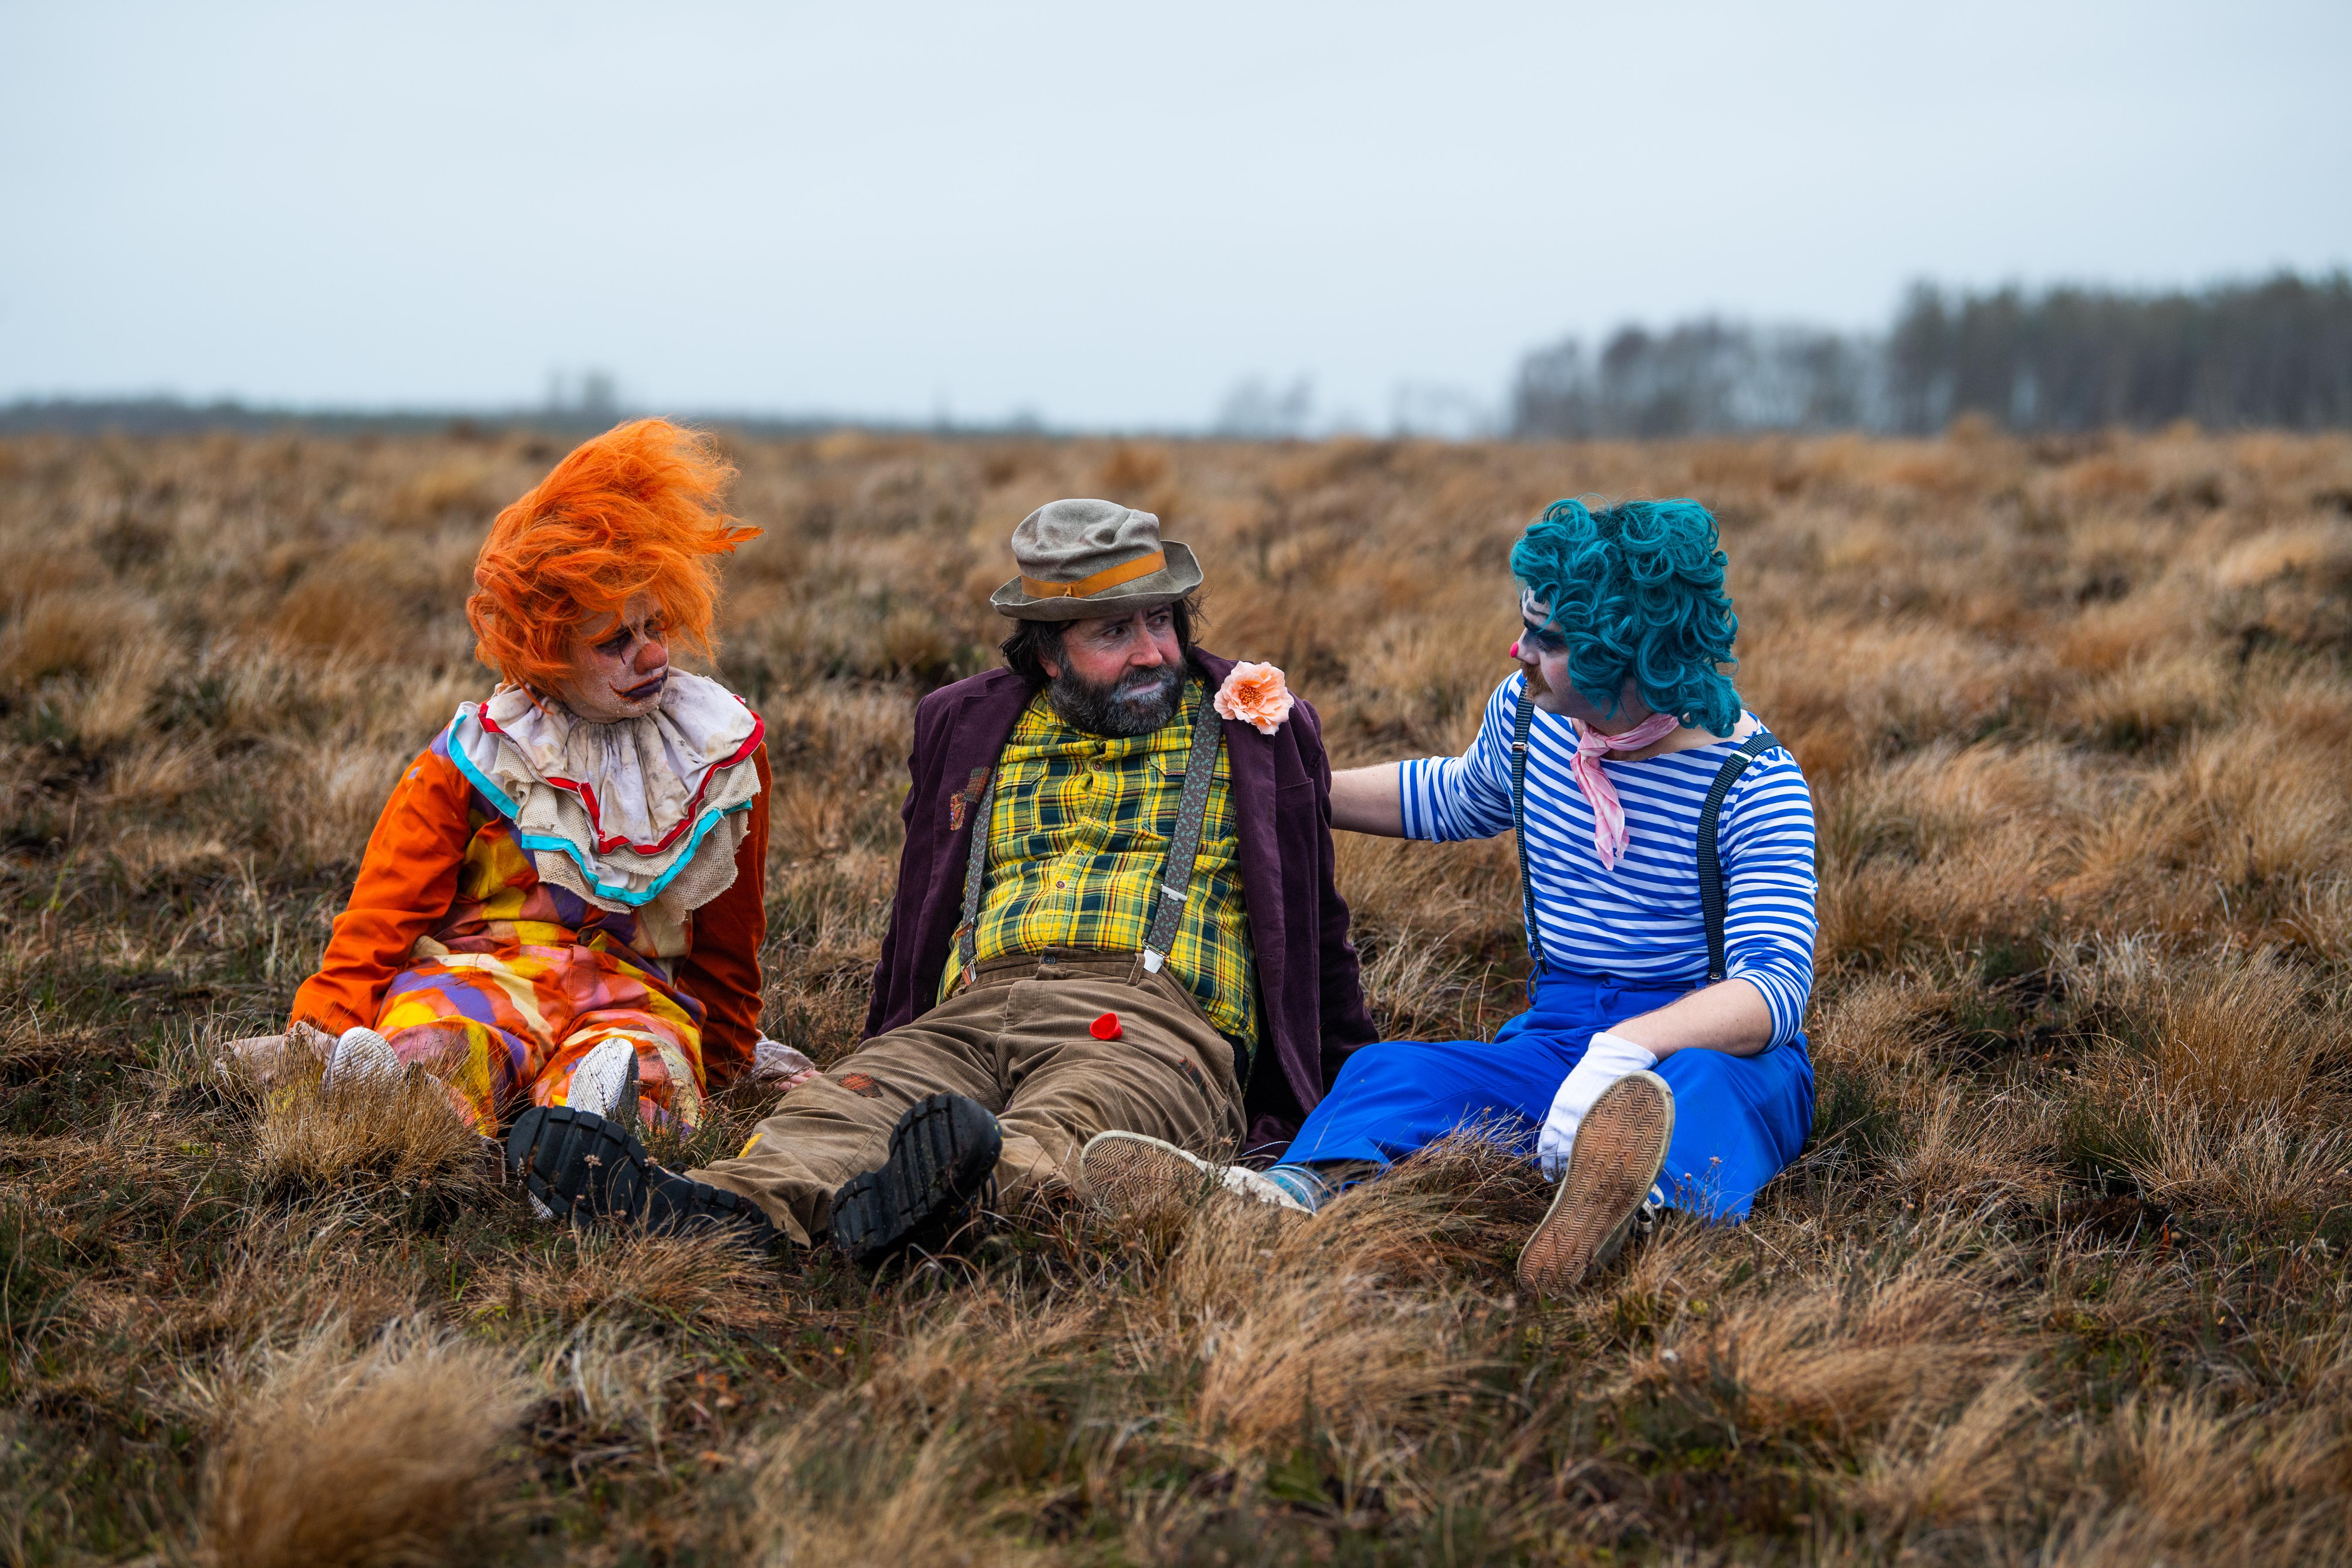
{"points": [[1619, 1147]]}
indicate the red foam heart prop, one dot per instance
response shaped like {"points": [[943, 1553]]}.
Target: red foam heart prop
{"points": [[1105, 1027]]}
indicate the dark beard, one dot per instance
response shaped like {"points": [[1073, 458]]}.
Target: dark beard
{"points": [[1136, 704]]}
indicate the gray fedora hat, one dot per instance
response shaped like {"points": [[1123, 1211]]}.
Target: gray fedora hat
{"points": [[1081, 558]]}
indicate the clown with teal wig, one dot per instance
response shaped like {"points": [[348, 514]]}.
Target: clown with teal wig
{"points": [[1633, 591], [1668, 885]]}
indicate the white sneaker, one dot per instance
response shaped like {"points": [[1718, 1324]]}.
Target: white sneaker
{"points": [[1252, 1183], [362, 1056], [605, 1082], [1126, 1172]]}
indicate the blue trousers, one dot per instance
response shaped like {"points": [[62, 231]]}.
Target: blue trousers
{"points": [[1738, 1120]]}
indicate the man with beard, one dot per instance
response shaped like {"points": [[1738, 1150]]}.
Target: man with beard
{"points": [[1115, 911]]}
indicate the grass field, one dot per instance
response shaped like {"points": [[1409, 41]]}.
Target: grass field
{"points": [[2058, 1279]]}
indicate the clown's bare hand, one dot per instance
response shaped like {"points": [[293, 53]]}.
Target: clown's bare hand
{"points": [[777, 1066], [259, 1057], [1608, 1058]]}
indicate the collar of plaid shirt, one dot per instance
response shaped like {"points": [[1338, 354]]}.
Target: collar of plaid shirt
{"points": [[1075, 838]]}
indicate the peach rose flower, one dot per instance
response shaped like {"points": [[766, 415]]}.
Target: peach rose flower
{"points": [[1256, 694]]}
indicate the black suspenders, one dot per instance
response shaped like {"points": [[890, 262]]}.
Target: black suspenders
{"points": [[1710, 869], [1710, 818]]}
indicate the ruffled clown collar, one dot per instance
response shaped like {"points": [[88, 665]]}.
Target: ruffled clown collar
{"points": [[619, 812]]}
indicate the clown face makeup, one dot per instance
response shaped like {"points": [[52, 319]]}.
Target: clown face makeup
{"points": [[618, 669], [1542, 652]]}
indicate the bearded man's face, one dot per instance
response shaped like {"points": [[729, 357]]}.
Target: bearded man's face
{"points": [[1119, 675]]}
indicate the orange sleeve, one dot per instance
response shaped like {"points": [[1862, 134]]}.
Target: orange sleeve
{"points": [[722, 971], [405, 886]]}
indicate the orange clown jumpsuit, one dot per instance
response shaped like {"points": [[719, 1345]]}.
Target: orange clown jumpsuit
{"points": [[499, 982]]}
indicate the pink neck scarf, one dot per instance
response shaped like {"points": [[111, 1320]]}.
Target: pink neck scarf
{"points": [[1610, 835]]}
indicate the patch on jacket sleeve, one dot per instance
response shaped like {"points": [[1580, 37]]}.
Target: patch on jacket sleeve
{"points": [[859, 1083], [961, 804]]}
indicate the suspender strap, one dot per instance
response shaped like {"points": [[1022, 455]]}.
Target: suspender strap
{"points": [[975, 874], [1184, 844], [1175, 872], [1519, 728], [1710, 866]]}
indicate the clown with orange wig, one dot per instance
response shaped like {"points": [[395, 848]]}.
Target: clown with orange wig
{"points": [[562, 902]]}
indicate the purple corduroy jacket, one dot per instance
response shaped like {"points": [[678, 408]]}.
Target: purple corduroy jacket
{"points": [[1311, 999]]}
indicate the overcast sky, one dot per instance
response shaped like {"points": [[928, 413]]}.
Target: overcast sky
{"points": [[1101, 215]]}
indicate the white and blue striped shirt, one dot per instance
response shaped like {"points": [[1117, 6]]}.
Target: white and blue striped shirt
{"points": [[1641, 923]]}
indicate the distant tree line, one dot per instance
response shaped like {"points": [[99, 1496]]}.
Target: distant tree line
{"points": [[1698, 377], [2275, 352]]}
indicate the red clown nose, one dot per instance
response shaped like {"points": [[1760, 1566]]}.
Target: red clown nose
{"points": [[1105, 1027]]}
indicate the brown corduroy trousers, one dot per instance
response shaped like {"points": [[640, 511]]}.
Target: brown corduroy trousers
{"points": [[1017, 1040]]}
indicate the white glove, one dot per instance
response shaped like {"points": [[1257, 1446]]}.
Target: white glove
{"points": [[1608, 1058], [774, 1062]]}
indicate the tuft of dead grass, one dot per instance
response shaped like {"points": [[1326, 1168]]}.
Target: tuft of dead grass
{"points": [[605, 1274], [1292, 1324], [1933, 1473], [398, 1131], [372, 1454], [1842, 1356]]}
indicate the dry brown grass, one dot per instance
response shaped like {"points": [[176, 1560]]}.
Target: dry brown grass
{"points": [[401, 1131], [681, 1278], [381, 1455], [2060, 1280]]}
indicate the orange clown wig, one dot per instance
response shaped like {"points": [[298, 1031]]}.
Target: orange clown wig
{"points": [[637, 510]]}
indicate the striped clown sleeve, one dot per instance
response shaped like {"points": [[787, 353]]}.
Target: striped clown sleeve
{"points": [[1767, 844], [1469, 796]]}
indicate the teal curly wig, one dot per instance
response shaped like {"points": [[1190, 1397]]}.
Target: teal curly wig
{"points": [[1636, 589]]}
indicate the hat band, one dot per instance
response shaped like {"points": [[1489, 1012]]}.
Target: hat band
{"points": [[1108, 577]]}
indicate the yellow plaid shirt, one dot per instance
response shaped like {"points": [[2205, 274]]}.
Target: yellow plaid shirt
{"points": [[1075, 840]]}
